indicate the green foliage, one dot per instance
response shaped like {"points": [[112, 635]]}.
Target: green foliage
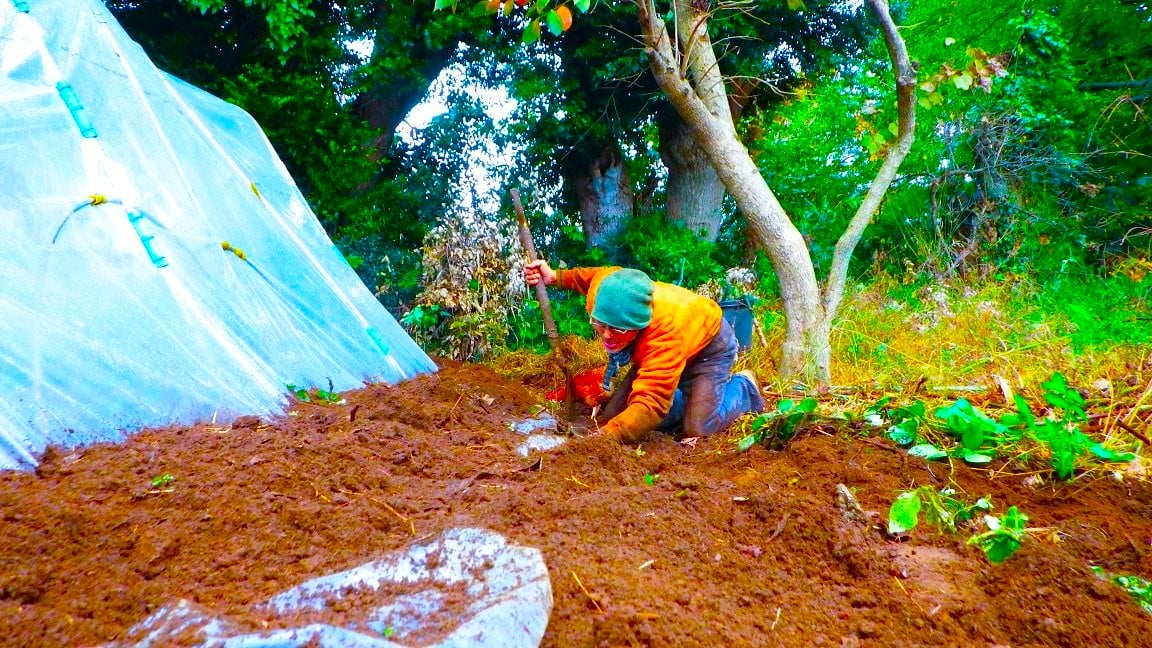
{"points": [[1140, 589], [163, 481], [1001, 539], [1100, 310], [1004, 535], [981, 436], [316, 395], [941, 509], [669, 252], [774, 429]]}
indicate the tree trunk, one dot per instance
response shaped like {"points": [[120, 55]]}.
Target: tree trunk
{"points": [[695, 195], [905, 73], [605, 197], [703, 104], [687, 72]]}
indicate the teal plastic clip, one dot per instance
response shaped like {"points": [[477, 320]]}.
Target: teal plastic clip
{"points": [[379, 340], [157, 260], [76, 108], [21, 6]]}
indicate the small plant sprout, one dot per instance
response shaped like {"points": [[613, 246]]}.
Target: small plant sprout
{"points": [[317, 395], [1138, 588], [941, 509], [1004, 535], [163, 481], [944, 511], [650, 478], [778, 427]]}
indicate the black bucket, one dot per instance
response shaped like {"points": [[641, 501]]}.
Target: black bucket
{"points": [[738, 312]]}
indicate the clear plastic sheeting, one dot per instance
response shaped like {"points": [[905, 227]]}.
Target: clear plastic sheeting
{"points": [[159, 265], [508, 602]]}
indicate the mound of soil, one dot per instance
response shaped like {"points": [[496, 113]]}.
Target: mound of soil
{"points": [[668, 545]]}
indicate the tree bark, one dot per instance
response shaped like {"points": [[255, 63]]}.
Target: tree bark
{"points": [[605, 196], [694, 195], [687, 73], [695, 88]]}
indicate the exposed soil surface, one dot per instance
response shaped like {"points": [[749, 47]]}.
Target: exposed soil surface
{"points": [[720, 549]]}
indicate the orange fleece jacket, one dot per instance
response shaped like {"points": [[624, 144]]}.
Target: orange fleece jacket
{"points": [[683, 323]]}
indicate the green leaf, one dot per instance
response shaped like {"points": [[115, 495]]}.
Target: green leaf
{"points": [[444, 4], [555, 25], [904, 432], [797, 5], [963, 81], [999, 548], [904, 513], [927, 451], [746, 442], [807, 406], [531, 32], [583, 5], [1110, 455], [975, 457], [972, 437], [785, 406]]}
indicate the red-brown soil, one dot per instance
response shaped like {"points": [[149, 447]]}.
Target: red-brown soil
{"points": [[722, 549]]}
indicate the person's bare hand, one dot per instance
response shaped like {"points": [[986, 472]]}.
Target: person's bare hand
{"points": [[536, 270]]}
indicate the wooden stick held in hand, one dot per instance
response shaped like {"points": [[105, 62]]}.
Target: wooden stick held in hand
{"points": [[546, 308]]}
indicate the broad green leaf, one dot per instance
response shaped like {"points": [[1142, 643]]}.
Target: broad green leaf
{"points": [[583, 5], [904, 432], [972, 437], [927, 451], [555, 25], [963, 81], [999, 548], [976, 457], [797, 5], [786, 405], [442, 4], [904, 513], [807, 406], [1110, 455], [532, 32]]}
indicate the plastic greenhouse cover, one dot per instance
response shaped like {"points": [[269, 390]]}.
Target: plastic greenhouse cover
{"points": [[159, 265]]}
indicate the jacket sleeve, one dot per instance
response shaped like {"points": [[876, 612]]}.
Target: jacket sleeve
{"points": [[581, 279]]}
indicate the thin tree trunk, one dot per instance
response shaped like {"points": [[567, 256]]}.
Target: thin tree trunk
{"points": [[704, 106], [905, 73]]}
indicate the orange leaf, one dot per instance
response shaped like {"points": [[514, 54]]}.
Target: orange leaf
{"points": [[565, 15]]}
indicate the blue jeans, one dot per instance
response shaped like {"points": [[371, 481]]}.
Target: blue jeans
{"points": [[707, 398]]}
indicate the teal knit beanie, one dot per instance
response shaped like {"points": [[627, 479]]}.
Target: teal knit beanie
{"points": [[624, 300]]}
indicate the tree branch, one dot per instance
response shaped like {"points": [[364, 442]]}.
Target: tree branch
{"points": [[905, 73]]}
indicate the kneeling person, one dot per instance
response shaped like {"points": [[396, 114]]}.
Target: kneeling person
{"points": [[679, 345]]}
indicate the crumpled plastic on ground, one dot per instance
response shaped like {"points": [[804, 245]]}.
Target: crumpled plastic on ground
{"points": [[508, 585]]}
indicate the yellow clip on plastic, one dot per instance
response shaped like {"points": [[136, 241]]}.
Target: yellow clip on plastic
{"points": [[227, 247], [98, 199]]}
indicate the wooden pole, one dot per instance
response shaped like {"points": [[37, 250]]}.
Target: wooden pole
{"points": [[546, 310]]}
